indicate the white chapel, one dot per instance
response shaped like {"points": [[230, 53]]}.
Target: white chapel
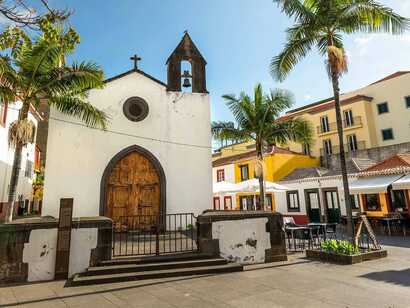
{"points": [[155, 156]]}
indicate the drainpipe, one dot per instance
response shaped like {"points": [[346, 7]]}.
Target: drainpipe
{"points": [[321, 201]]}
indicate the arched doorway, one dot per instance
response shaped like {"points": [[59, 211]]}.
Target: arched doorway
{"points": [[133, 184]]}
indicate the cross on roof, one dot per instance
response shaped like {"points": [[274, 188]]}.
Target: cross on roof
{"points": [[135, 58]]}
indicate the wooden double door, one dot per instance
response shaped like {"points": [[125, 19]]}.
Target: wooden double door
{"points": [[133, 188]]}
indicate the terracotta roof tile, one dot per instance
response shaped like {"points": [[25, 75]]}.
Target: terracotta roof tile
{"points": [[394, 162], [330, 100], [325, 106], [394, 75]]}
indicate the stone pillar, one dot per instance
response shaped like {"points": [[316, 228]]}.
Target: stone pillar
{"points": [[262, 239]]}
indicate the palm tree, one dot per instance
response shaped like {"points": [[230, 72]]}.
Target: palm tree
{"points": [[321, 24], [35, 72], [257, 120]]}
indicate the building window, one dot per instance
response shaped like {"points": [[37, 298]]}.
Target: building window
{"points": [[398, 198], [220, 175], [292, 198], [382, 108], [244, 172], [268, 202], [407, 101], [327, 145], [29, 169], [246, 203], [371, 202], [354, 202], [135, 109], [37, 161], [387, 134], [228, 203], [348, 114], [324, 124], [217, 204], [3, 114], [305, 149], [352, 143]]}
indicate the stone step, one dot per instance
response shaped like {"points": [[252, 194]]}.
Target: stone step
{"points": [[190, 271], [131, 268], [156, 259]]}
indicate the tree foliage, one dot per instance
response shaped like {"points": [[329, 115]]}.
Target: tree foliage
{"points": [[321, 23], [258, 118]]}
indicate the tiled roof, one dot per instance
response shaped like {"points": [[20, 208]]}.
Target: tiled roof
{"points": [[318, 172], [250, 155], [325, 105], [393, 162], [363, 163], [304, 173], [135, 71], [394, 75], [330, 100]]}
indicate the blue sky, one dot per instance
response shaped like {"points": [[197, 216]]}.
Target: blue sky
{"points": [[237, 37]]}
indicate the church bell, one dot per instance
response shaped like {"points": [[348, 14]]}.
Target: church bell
{"points": [[187, 82]]}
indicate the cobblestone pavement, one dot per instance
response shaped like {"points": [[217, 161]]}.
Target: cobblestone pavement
{"points": [[296, 283]]}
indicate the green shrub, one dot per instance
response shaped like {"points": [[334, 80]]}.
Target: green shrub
{"points": [[339, 247]]}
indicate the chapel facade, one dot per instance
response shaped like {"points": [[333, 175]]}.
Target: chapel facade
{"points": [[155, 156]]}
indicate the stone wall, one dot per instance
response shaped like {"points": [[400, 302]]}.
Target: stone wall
{"points": [[376, 154], [243, 237], [28, 247]]}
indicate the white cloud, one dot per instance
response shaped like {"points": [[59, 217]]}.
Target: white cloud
{"points": [[307, 97]]}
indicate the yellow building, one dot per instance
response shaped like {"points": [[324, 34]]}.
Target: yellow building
{"points": [[385, 187], [374, 116], [236, 163]]}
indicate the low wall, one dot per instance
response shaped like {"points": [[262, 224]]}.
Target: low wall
{"points": [[243, 237], [28, 247]]}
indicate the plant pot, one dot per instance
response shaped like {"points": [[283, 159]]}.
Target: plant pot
{"points": [[344, 259]]}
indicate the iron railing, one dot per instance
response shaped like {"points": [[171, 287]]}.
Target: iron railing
{"points": [[154, 234], [332, 127], [360, 145]]}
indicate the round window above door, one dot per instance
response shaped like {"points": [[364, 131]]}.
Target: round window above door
{"points": [[135, 109]]}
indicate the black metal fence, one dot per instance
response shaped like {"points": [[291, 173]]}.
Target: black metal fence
{"points": [[302, 238], [154, 234]]}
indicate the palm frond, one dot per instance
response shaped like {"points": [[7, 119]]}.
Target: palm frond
{"points": [[81, 109], [294, 51], [296, 9], [370, 16], [75, 79], [295, 130], [226, 131]]}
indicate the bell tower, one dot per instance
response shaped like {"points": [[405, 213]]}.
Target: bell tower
{"points": [[186, 51]]}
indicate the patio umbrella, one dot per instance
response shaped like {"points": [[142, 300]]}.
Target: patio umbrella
{"points": [[225, 187], [252, 185]]}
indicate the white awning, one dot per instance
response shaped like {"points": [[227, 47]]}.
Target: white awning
{"points": [[403, 183], [372, 185], [252, 185], [224, 187]]}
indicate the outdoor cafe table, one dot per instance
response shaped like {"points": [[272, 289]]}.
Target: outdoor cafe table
{"points": [[292, 230], [323, 226], [389, 220]]}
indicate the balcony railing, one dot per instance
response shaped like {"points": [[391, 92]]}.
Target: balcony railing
{"points": [[332, 127], [360, 145]]}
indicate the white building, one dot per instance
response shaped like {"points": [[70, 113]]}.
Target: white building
{"points": [[8, 114], [316, 194], [155, 156]]}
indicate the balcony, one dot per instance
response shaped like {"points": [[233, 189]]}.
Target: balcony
{"points": [[355, 122], [360, 145]]}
